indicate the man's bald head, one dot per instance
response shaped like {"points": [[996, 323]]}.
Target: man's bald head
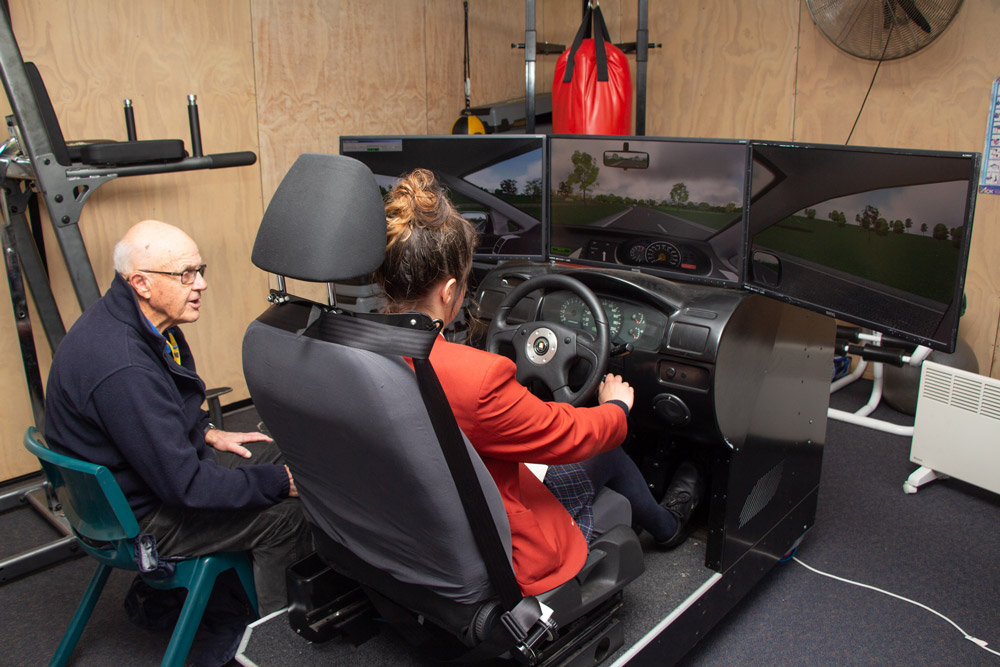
{"points": [[153, 258], [150, 244]]}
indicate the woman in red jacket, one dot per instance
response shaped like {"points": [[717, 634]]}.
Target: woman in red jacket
{"points": [[429, 252]]}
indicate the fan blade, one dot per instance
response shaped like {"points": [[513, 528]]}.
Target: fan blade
{"points": [[910, 7]]}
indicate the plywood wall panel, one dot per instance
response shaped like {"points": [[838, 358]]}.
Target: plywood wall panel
{"points": [[325, 69], [726, 69], [444, 35], [497, 69], [830, 87], [979, 325]]}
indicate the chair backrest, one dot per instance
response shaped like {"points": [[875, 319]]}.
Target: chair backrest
{"points": [[366, 461], [93, 502], [351, 422]]}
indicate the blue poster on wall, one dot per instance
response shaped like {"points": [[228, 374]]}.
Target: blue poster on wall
{"points": [[989, 179]]}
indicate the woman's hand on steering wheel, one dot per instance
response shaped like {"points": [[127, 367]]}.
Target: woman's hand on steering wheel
{"points": [[546, 351]]}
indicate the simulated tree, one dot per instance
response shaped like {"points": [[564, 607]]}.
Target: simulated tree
{"points": [[679, 194], [584, 175]]}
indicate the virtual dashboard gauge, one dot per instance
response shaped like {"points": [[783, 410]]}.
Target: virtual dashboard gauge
{"points": [[662, 253], [574, 313]]}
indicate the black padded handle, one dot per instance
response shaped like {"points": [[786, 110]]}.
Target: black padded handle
{"points": [[877, 354], [238, 159]]}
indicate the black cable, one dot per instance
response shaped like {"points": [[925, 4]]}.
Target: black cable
{"points": [[864, 101], [467, 83]]}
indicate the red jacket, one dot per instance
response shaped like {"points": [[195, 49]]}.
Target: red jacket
{"points": [[509, 426]]}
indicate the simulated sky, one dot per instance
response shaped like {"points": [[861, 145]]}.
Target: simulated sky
{"points": [[713, 172]]}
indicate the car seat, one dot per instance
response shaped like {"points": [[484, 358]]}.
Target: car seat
{"points": [[398, 498]]}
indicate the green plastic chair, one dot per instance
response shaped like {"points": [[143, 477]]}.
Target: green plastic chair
{"points": [[106, 528]]}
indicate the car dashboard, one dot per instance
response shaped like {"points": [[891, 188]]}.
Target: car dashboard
{"points": [[630, 322], [724, 376]]}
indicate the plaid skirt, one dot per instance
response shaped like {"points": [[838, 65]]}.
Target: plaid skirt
{"points": [[570, 483]]}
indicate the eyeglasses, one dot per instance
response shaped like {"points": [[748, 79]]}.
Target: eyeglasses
{"points": [[187, 276]]}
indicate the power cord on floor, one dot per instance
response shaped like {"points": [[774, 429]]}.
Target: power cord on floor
{"points": [[978, 642]]}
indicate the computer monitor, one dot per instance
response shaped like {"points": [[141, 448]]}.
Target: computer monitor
{"points": [[670, 207], [495, 181], [873, 236]]}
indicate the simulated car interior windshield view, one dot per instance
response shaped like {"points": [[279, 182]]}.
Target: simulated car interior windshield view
{"points": [[878, 238], [670, 207], [496, 182]]}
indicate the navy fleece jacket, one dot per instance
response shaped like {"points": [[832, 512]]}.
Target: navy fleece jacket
{"points": [[116, 397]]}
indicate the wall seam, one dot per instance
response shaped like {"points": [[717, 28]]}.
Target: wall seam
{"points": [[795, 82], [257, 114], [427, 95], [996, 350]]}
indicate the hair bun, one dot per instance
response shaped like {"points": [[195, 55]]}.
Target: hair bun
{"points": [[415, 201], [427, 240]]}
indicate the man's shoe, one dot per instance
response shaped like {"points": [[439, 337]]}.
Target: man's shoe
{"points": [[682, 497]]}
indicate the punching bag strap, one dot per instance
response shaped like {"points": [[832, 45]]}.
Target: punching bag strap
{"points": [[577, 41], [600, 37]]}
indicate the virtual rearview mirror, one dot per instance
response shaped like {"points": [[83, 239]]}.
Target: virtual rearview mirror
{"points": [[626, 159]]}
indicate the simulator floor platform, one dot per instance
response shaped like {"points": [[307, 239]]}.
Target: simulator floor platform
{"points": [[670, 578]]}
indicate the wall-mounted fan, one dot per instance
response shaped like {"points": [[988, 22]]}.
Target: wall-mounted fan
{"points": [[882, 29]]}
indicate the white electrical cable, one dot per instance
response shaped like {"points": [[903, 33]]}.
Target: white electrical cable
{"points": [[978, 642]]}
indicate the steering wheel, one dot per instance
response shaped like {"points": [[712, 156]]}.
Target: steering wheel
{"points": [[546, 351]]}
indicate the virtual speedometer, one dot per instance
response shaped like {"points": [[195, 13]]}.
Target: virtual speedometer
{"points": [[661, 253]]}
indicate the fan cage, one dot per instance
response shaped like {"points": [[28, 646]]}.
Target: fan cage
{"points": [[882, 29]]}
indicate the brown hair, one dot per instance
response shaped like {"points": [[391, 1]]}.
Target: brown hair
{"points": [[427, 240]]}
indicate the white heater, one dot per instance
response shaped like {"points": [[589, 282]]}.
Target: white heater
{"points": [[956, 432]]}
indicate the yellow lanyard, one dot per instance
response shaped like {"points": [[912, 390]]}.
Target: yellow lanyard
{"points": [[175, 351]]}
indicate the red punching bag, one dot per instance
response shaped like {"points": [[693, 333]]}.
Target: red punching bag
{"points": [[592, 87]]}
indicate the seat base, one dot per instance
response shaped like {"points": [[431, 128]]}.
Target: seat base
{"points": [[324, 604]]}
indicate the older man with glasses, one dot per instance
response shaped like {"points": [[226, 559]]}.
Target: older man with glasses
{"points": [[123, 392]]}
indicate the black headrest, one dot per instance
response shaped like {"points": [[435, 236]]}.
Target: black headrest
{"points": [[325, 223]]}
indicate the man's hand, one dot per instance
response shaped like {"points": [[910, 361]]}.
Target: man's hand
{"points": [[614, 388], [228, 441], [292, 491]]}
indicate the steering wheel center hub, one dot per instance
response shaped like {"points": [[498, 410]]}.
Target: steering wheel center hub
{"points": [[541, 346]]}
